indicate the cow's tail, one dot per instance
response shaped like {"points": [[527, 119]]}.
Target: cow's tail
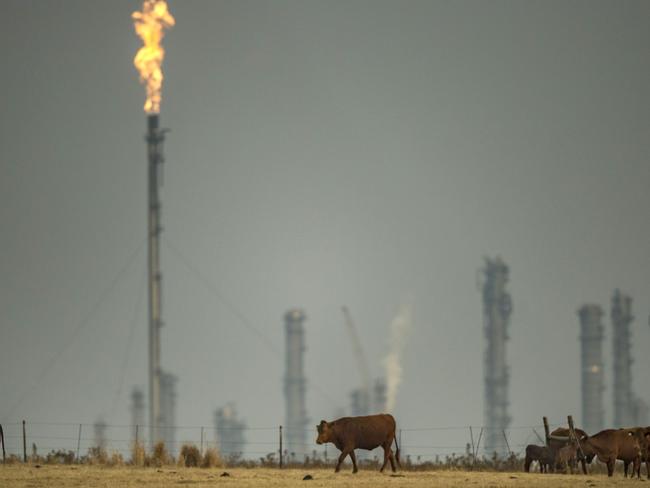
{"points": [[399, 464]]}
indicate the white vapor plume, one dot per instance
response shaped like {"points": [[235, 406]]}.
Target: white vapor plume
{"points": [[399, 329]]}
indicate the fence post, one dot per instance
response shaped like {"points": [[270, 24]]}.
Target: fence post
{"points": [[280, 447], [201, 441], [546, 431], [79, 443], [24, 443], [2, 438], [471, 436]]}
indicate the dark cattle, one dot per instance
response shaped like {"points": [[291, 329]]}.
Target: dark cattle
{"points": [[610, 445], [541, 454], [369, 432], [560, 438]]}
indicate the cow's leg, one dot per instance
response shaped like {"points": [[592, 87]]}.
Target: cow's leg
{"points": [[583, 461], [647, 466], [391, 457], [386, 456], [637, 468], [343, 455], [625, 465], [610, 467], [353, 456]]}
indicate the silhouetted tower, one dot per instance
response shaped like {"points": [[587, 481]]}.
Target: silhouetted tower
{"points": [[100, 433], [155, 138], [359, 402], [168, 411], [379, 398], [624, 402], [229, 432], [497, 307], [591, 340], [137, 414], [295, 385]]}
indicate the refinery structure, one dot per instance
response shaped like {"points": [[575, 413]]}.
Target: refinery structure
{"points": [[629, 409], [497, 307], [296, 421], [591, 363]]}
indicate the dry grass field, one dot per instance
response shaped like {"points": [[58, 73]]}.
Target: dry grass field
{"points": [[20, 476]]}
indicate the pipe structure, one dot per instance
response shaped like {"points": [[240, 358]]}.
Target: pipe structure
{"points": [[624, 403]]}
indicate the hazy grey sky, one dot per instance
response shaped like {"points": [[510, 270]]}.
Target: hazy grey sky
{"points": [[322, 153]]}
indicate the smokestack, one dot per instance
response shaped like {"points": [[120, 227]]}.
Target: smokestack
{"points": [[591, 340], [155, 138], [137, 413], [624, 404], [295, 385], [497, 307], [379, 397], [229, 432], [168, 411]]}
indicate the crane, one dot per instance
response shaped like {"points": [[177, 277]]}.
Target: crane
{"points": [[362, 398]]}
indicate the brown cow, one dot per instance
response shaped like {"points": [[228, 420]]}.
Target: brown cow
{"points": [[369, 432], [560, 438], [541, 454], [609, 445], [643, 436]]}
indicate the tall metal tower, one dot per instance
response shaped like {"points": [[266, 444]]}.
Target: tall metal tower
{"points": [[295, 384], [137, 413], [591, 340], [497, 307], [168, 411], [624, 402], [155, 138], [229, 432]]}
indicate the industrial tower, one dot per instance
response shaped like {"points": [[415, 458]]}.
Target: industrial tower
{"points": [[621, 315], [137, 414], [591, 340], [155, 138], [295, 385], [168, 411], [229, 432], [497, 307]]}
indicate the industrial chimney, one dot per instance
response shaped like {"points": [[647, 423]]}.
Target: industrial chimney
{"points": [[168, 411], [591, 340], [137, 414], [497, 307], [229, 433], [295, 385], [621, 315]]}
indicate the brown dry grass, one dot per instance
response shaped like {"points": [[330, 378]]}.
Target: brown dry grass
{"points": [[21, 476]]}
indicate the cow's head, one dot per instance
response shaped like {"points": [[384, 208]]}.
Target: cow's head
{"points": [[324, 433]]}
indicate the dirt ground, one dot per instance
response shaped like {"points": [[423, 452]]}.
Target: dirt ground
{"points": [[20, 476]]}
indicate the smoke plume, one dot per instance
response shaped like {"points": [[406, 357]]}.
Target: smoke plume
{"points": [[399, 329]]}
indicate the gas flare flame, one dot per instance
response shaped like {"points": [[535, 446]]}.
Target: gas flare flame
{"points": [[150, 25]]}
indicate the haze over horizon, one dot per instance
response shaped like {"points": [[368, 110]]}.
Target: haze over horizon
{"points": [[321, 154]]}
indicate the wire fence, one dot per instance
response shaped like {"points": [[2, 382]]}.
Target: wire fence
{"points": [[418, 445]]}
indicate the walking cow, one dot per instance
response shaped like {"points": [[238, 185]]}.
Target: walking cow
{"points": [[368, 432]]}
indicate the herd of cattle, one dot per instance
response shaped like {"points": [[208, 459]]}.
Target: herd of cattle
{"points": [[563, 450], [631, 445]]}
